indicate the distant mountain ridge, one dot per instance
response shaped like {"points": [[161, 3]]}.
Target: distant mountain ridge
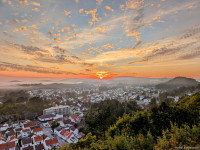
{"points": [[177, 82]]}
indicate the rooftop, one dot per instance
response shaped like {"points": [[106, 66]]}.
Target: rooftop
{"points": [[57, 107], [7, 145]]}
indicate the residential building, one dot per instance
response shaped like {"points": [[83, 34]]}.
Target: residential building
{"points": [[7, 146], [38, 131], [51, 143], [62, 110]]}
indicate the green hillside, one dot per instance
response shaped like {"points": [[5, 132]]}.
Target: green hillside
{"points": [[161, 127]]}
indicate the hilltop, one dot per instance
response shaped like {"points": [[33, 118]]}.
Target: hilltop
{"points": [[177, 82]]}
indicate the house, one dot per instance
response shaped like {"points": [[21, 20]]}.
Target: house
{"points": [[67, 123], [38, 131], [39, 147], [47, 117], [29, 125], [26, 142], [67, 136], [18, 131], [49, 123], [80, 135], [3, 127], [75, 118], [37, 140], [7, 146], [10, 125], [10, 132], [74, 130], [51, 143], [25, 132], [2, 139], [13, 138]]}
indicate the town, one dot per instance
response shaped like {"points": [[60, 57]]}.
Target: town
{"points": [[61, 124], [40, 134]]}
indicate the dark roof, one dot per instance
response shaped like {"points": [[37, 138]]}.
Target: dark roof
{"points": [[18, 129], [30, 124], [46, 116], [72, 128], [10, 133], [28, 148], [39, 147], [68, 121], [26, 140]]}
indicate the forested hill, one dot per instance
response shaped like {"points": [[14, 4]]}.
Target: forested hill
{"points": [[161, 127], [178, 82]]}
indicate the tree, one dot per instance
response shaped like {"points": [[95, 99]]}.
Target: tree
{"points": [[54, 125], [153, 102]]}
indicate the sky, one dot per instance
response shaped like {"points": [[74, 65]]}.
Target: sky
{"points": [[99, 38]]}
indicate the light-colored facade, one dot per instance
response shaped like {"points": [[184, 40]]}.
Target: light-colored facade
{"points": [[62, 110]]}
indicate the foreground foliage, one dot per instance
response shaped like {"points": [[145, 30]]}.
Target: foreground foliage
{"points": [[161, 127]]}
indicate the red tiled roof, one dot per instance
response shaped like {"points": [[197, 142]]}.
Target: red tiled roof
{"points": [[63, 131], [9, 123], [37, 130], [30, 124], [80, 133], [7, 145], [66, 133], [59, 119], [50, 122], [75, 118], [26, 130], [13, 137], [18, 129], [69, 135], [38, 138], [2, 137], [51, 141]]}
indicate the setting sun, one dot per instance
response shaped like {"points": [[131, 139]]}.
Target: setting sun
{"points": [[102, 74]]}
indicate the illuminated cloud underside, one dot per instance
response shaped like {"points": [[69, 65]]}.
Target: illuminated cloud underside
{"points": [[99, 39]]}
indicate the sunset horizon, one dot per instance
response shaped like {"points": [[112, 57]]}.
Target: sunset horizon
{"points": [[99, 39]]}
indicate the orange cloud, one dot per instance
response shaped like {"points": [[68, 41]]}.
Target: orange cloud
{"points": [[25, 21], [93, 13], [23, 28], [33, 31], [35, 9], [81, 10], [66, 13], [15, 30], [65, 29], [35, 4], [100, 29], [16, 20], [109, 8]]}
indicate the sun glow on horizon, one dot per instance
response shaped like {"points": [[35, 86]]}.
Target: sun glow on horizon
{"points": [[102, 74]]}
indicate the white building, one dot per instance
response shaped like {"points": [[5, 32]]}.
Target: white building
{"points": [[62, 110], [38, 131], [51, 143]]}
